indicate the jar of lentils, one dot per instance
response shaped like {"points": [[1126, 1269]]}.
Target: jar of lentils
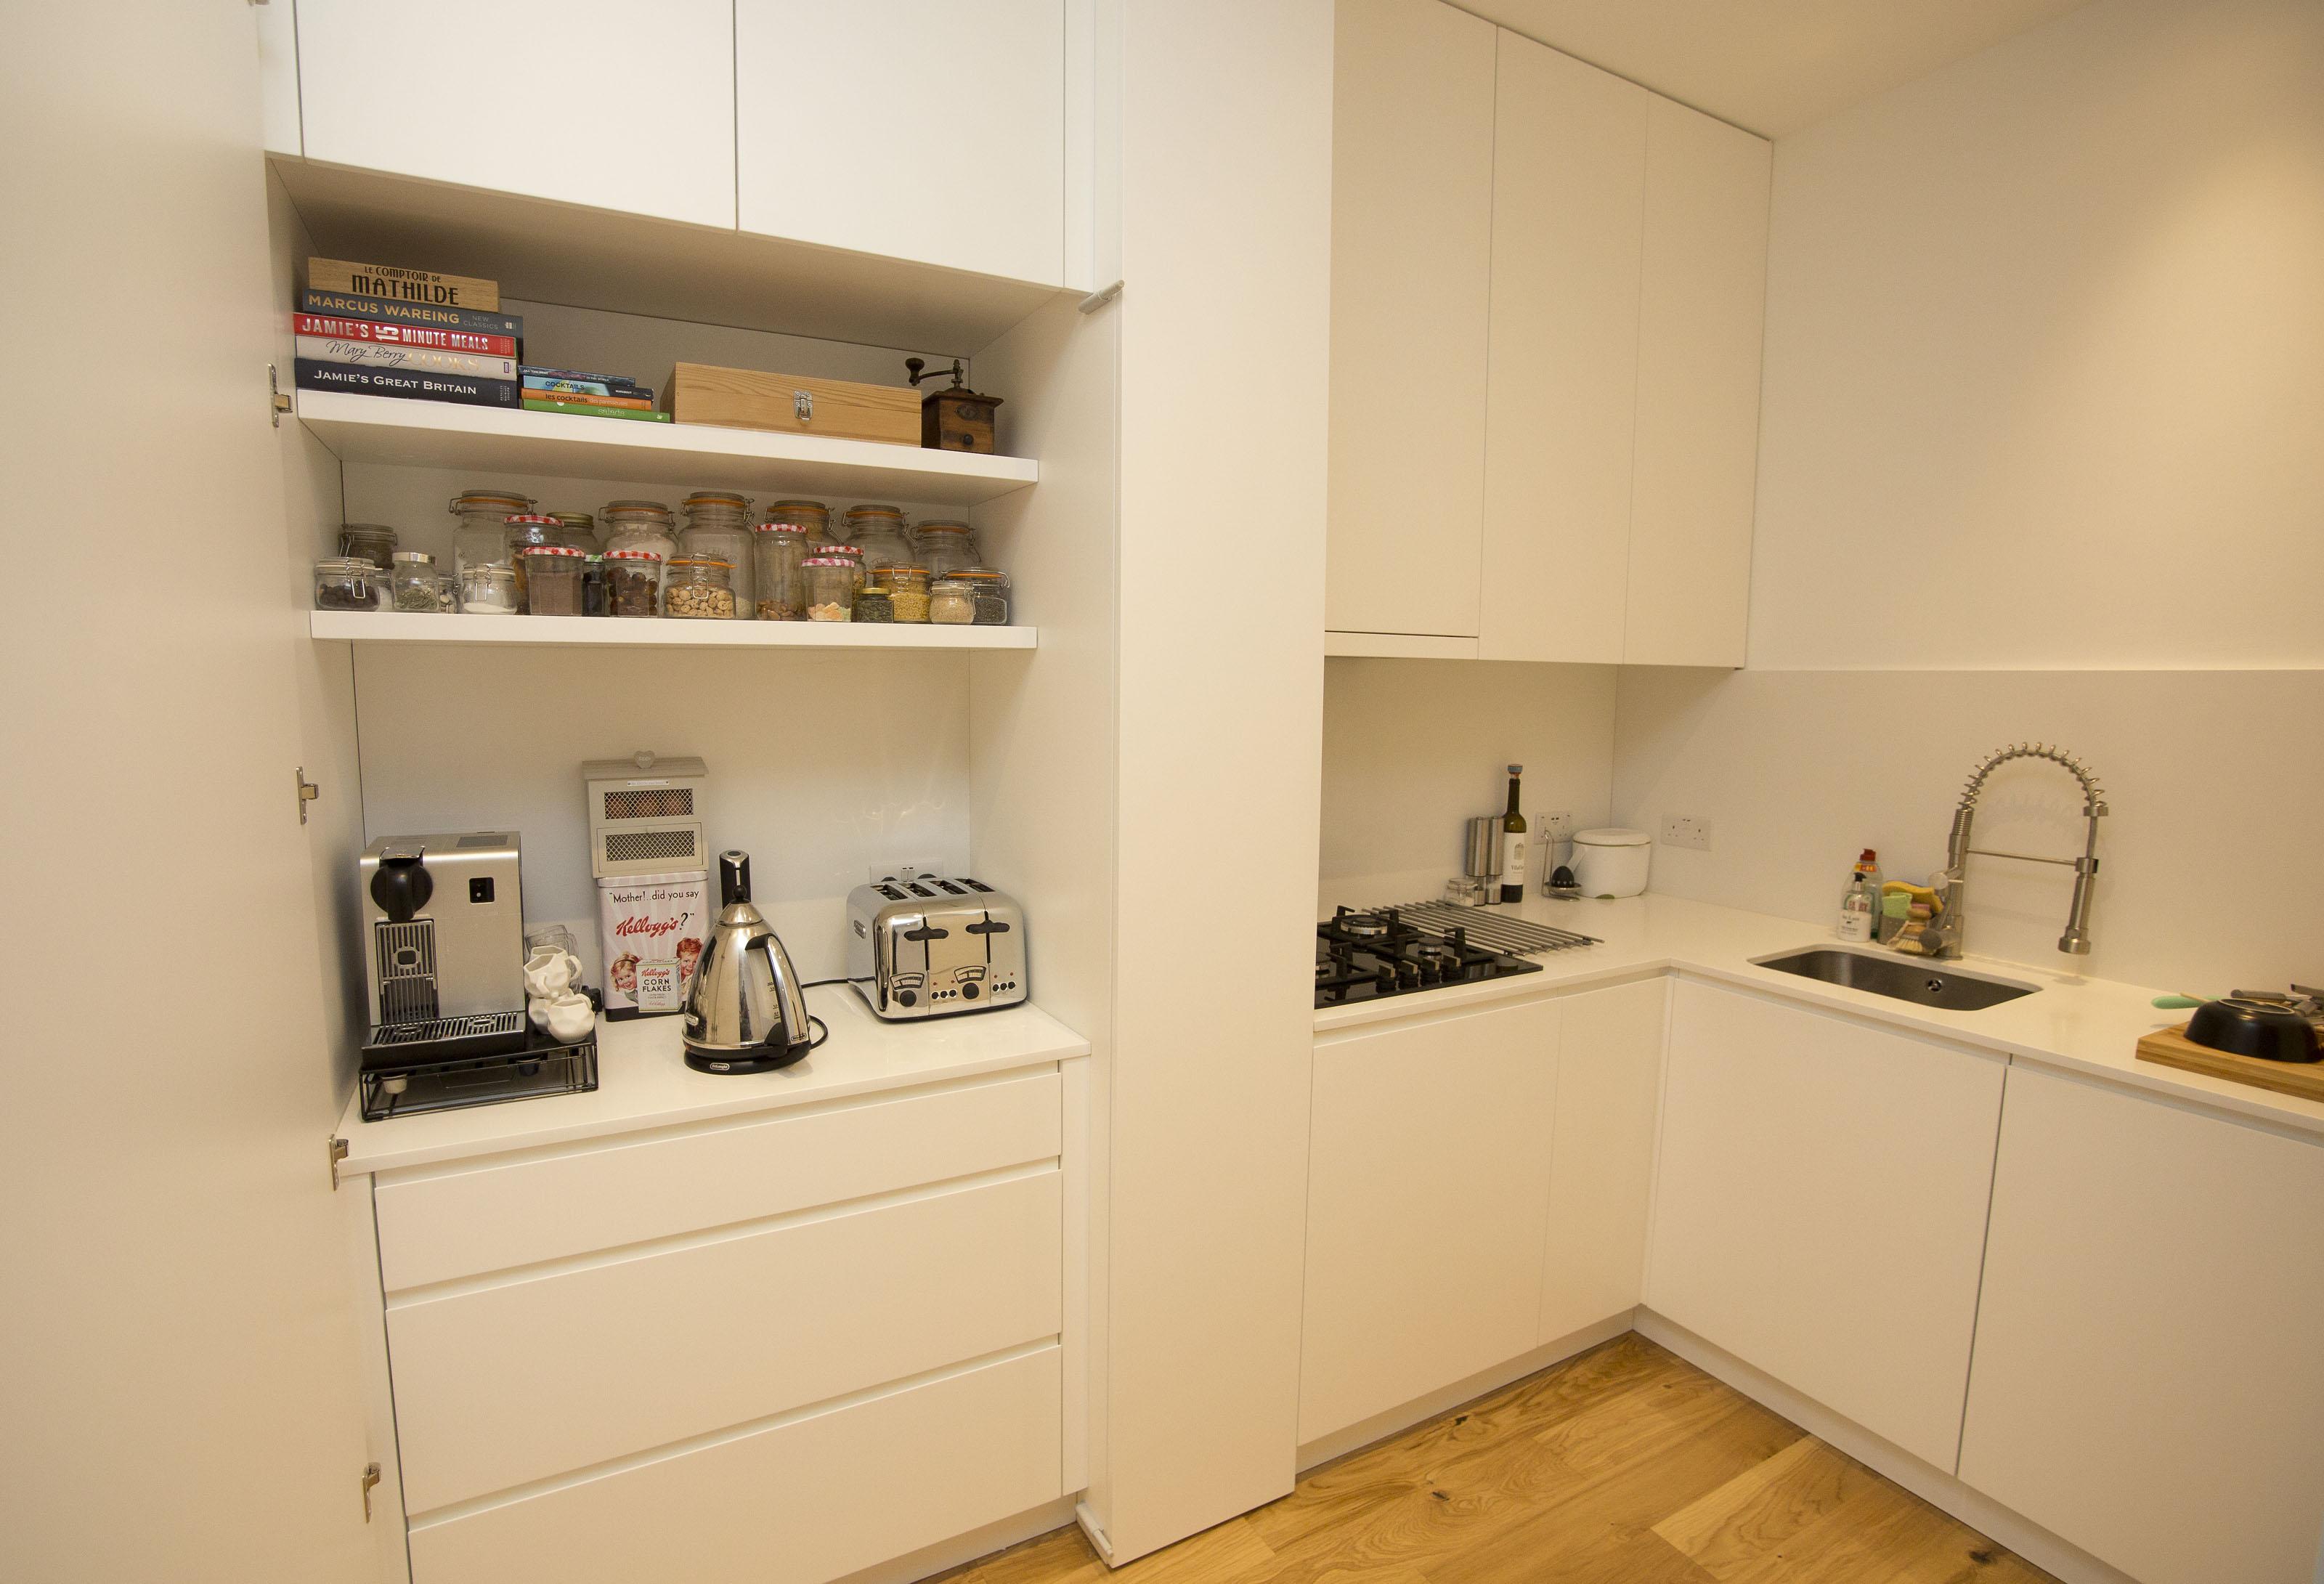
{"points": [[633, 582], [698, 588], [830, 588], [718, 528], [988, 590], [907, 589], [411, 583], [553, 580], [777, 570]]}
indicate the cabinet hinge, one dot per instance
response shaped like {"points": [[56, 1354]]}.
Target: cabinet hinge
{"points": [[370, 1478], [338, 1153], [308, 793], [278, 401]]}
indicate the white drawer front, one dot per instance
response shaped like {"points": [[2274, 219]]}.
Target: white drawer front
{"points": [[438, 1224], [796, 1503], [500, 1385]]}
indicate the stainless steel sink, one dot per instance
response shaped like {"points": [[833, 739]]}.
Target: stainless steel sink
{"points": [[1930, 984]]}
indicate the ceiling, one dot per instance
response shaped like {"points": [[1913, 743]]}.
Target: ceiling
{"points": [[1769, 66]]}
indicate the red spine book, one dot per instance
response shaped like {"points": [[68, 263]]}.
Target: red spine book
{"points": [[389, 333]]}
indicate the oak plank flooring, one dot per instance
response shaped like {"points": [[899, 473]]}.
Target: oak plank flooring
{"points": [[1623, 1465]]}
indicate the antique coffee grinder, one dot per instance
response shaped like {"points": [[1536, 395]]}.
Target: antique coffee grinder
{"points": [[955, 418]]}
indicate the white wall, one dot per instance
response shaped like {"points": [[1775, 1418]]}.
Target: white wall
{"points": [[1412, 747], [2044, 378]]}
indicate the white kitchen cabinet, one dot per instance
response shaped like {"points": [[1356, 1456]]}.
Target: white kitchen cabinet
{"points": [[2147, 1383], [1428, 1193], [913, 128], [597, 102], [1601, 1157], [1702, 300], [1569, 195], [1412, 174], [1819, 1206]]}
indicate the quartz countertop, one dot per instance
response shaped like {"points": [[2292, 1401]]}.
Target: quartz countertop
{"points": [[2071, 1023], [643, 1080]]}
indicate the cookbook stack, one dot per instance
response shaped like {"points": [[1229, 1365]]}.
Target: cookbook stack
{"points": [[587, 395], [380, 331]]}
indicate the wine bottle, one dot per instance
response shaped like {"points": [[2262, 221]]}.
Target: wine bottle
{"points": [[1513, 844]]}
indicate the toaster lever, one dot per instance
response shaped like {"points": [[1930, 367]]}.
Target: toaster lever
{"points": [[928, 931]]}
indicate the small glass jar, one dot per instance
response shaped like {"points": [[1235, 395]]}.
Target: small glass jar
{"points": [[447, 593], [718, 528], [811, 515], [990, 590], [633, 582], [641, 525], [778, 559], [878, 532], [699, 589], [411, 583], [552, 580], [526, 531], [577, 528], [370, 541], [873, 604], [481, 535], [952, 603], [945, 545], [348, 583], [593, 583], [847, 553], [488, 589], [908, 586], [830, 588]]}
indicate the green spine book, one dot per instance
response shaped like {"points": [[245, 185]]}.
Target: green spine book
{"points": [[583, 409]]}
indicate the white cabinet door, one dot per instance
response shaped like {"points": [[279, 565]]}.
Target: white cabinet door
{"points": [[1428, 1187], [598, 102], [1820, 1207], [1412, 174], [1602, 1160], [1701, 304], [914, 128], [1568, 191], [2148, 1383]]}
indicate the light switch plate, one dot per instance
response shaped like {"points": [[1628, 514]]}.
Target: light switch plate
{"points": [[1683, 830]]}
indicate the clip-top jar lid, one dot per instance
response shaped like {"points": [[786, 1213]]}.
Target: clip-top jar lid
{"points": [[717, 498], [894, 511], [472, 498], [702, 561], [1613, 836]]}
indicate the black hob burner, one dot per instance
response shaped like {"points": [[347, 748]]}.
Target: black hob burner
{"points": [[1360, 956]]}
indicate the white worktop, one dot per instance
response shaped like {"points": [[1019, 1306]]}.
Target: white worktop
{"points": [[643, 1080], [2074, 1024]]}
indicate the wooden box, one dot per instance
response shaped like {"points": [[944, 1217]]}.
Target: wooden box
{"points": [[750, 398], [957, 420]]}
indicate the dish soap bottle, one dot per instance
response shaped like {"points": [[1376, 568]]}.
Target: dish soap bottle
{"points": [[1859, 906]]}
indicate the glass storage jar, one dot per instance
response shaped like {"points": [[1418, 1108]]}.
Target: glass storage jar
{"points": [[878, 532], [633, 582], [718, 528], [952, 603], [411, 583], [779, 556], [830, 588], [945, 546], [552, 580], [698, 588], [480, 537], [525, 531], [641, 525], [371, 541], [577, 529], [348, 583], [907, 589], [811, 515], [873, 604], [847, 553], [488, 589], [990, 589]]}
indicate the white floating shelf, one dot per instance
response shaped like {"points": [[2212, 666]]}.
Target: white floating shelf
{"points": [[555, 444], [660, 632]]}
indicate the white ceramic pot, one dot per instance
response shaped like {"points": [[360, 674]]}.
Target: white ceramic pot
{"points": [[1611, 861]]}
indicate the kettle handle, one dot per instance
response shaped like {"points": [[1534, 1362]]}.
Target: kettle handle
{"points": [[733, 876]]}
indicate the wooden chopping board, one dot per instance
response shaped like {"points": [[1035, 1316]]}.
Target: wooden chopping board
{"points": [[2173, 1048]]}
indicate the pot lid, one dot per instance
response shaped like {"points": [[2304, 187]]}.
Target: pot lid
{"points": [[1613, 836]]}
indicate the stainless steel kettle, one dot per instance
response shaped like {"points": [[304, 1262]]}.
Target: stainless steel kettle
{"points": [[744, 1013]]}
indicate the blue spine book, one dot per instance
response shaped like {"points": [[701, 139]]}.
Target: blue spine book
{"points": [[348, 305], [420, 385]]}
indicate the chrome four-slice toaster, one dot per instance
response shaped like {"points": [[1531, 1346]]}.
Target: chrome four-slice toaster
{"points": [[923, 947]]}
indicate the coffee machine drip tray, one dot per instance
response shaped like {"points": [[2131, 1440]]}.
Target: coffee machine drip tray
{"points": [[429, 1077]]}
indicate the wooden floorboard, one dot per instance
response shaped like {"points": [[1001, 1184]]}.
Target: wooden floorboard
{"points": [[1624, 1466]]}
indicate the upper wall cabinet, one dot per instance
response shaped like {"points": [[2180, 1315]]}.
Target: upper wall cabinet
{"points": [[614, 105], [1412, 186], [1582, 490], [912, 128]]}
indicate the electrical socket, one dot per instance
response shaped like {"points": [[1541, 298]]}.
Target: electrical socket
{"points": [[1555, 828], [899, 872], [1683, 830]]}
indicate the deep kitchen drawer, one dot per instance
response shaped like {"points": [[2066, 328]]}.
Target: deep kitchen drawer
{"points": [[798, 1502], [440, 1223], [501, 1382]]}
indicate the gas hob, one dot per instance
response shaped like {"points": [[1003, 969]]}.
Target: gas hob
{"points": [[1362, 956]]}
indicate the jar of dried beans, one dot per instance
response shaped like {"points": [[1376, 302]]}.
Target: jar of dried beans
{"points": [[698, 588]]}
